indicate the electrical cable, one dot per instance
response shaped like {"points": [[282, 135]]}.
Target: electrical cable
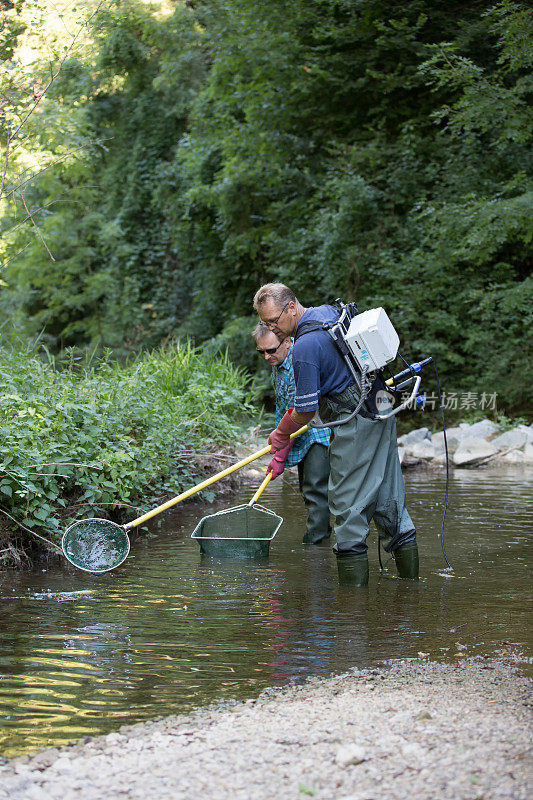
{"points": [[365, 389], [403, 359], [447, 470]]}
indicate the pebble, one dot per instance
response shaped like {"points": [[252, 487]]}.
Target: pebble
{"points": [[114, 738], [424, 715], [350, 754], [62, 765]]}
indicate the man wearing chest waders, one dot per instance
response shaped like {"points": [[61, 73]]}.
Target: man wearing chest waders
{"points": [[365, 480]]}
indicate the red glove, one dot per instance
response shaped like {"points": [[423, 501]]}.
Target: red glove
{"points": [[277, 465], [280, 437]]}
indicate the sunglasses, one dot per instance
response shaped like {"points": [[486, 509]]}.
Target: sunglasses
{"points": [[269, 350]]}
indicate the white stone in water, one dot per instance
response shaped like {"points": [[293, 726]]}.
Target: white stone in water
{"points": [[424, 449], [528, 454], [514, 457], [472, 450], [528, 430], [414, 436], [401, 454], [514, 440], [482, 429], [350, 754], [453, 437]]}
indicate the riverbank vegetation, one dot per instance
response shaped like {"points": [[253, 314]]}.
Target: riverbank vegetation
{"points": [[80, 439]]}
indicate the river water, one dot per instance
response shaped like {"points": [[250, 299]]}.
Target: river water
{"points": [[170, 630]]}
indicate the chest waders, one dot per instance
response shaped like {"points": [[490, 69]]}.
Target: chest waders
{"points": [[365, 475]]}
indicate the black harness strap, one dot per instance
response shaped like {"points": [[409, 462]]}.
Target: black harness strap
{"points": [[369, 409], [309, 326]]}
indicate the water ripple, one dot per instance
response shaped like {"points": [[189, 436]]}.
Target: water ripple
{"points": [[168, 631]]}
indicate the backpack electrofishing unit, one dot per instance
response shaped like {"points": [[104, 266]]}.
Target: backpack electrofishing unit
{"points": [[367, 343]]}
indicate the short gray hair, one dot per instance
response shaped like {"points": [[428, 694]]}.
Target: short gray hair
{"points": [[260, 330], [277, 292]]}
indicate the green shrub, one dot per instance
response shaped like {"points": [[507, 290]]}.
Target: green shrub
{"points": [[94, 438]]}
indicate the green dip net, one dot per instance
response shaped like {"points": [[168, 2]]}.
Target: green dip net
{"points": [[241, 532], [95, 545]]}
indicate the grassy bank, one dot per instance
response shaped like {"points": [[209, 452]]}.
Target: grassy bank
{"points": [[80, 439]]}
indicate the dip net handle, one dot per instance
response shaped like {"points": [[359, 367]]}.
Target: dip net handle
{"points": [[260, 491], [204, 484]]}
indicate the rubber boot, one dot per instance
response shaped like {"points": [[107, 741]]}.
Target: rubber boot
{"points": [[353, 569], [406, 558]]}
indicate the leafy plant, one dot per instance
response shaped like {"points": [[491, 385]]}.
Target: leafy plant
{"points": [[78, 440]]}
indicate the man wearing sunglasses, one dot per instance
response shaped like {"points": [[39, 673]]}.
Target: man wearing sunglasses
{"points": [[365, 475], [310, 451]]}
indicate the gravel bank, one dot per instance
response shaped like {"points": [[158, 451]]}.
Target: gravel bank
{"points": [[423, 730]]}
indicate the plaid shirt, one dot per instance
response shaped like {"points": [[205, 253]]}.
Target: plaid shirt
{"points": [[285, 389]]}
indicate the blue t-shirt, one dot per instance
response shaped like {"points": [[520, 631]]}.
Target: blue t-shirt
{"points": [[319, 368], [285, 388]]}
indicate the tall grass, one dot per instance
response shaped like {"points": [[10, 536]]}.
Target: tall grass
{"points": [[79, 438]]}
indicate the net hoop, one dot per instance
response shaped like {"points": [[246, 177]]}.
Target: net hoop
{"points": [[196, 534], [125, 549]]}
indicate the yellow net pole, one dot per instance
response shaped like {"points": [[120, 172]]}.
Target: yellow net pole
{"points": [[204, 484], [260, 491]]}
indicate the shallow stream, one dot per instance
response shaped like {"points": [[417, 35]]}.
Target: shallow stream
{"points": [[170, 630]]}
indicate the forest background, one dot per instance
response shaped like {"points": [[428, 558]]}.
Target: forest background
{"points": [[161, 160], [187, 152]]}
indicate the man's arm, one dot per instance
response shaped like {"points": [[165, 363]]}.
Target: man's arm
{"points": [[291, 422], [301, 419], [280, 439]]}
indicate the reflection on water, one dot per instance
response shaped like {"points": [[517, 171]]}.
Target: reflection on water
{"points": [[169, 630]]}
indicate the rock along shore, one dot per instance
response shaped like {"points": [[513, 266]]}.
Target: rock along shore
{"points": [[412, 729], [468, 445]]}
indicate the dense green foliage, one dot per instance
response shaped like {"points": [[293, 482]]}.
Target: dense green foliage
{"points": [[77, 439], [350, 148]]}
